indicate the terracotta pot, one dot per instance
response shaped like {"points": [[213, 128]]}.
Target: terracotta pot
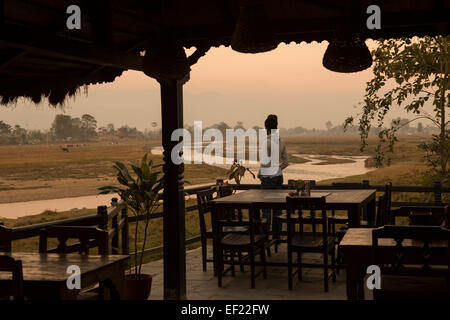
{"points": [[137, 288]]}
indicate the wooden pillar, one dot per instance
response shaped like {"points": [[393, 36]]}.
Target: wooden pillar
{"points": [[173, 207], [2, 12]]}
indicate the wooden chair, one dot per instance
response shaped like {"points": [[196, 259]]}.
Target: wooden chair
{"points": [[5, 239], [9, 264], [230, 243], [423, 215], [406, 273], [342, 220], [204, 207], [88, 236], [316, 241]]}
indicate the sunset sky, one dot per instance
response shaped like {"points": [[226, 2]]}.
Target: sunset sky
{"points": [[224, 86]]}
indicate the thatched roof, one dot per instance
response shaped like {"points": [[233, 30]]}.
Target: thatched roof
{"points": [[40, 57]]}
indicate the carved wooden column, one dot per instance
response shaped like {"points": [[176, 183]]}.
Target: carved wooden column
{"points": [[173, 207]]}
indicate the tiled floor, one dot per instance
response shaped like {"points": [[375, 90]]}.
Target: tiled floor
{"points": [[203, 285]]}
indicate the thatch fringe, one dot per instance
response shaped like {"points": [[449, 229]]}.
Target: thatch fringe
{"points": [[57, 90]]}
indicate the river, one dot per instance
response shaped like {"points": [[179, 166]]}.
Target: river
{"points": [[308, 171]]}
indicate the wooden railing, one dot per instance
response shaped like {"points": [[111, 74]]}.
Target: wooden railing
{"points": [[115, 218]]}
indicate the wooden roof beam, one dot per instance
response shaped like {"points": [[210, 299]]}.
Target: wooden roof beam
{"points": [[49, 45], [11, 59]]}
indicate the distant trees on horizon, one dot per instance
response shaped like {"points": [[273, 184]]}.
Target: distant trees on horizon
{"points": [[64, 128]]}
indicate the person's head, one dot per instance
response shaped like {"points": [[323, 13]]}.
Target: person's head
{"points": [[271, 122]]}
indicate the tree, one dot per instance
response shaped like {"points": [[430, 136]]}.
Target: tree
{"points": [[62, 126], [19, 134], [239, 125], [420, 127], [419, 69], [110, 129], [89, 126], [222, 126], [5, 129], [329, 125]]}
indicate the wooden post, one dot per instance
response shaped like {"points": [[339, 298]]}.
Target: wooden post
{"points": [[365, 184], [173, 196], [102, 212], [2, 12], [125, 236], [437, 192], [115, 227]]}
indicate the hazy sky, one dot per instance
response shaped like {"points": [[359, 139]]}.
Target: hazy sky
{"points": [[225, 86]]}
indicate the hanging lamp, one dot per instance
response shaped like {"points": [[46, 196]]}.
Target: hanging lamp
{"points": [[253, 31]]}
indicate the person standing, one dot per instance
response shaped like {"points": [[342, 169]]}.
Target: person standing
{"points": [[270, 172]]}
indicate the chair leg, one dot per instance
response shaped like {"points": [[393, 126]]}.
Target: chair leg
{"points": [[204, 254], [241, 265], [325, 270], [299, 265], [269, 253], [263, 259], [289, 268], [252, 268], [232, 253], [338, 260], [333, 264], [220, 267]]}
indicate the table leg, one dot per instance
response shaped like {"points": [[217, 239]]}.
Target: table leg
{"points": [[371, 211], [354, 216], [352, 281], [67, 294]]}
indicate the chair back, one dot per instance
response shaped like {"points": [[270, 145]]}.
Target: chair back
{"points": [[382, 215], [5, 239], [423, 215], [296, 208], [205, 206], [429, 244], [89, 237], [9, 264], [347, 185], [226, 218], [388, 200]]}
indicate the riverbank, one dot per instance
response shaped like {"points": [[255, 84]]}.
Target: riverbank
{"points": [[43, 172]]}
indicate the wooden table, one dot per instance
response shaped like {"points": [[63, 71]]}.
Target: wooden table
{"points": [[357, 249], [45, 274], [355, 202]]}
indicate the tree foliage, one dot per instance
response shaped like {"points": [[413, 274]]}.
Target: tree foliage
{"points": [[414, 75]]}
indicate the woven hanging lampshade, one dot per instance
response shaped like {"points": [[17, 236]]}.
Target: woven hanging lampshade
{"points": [[253, 32], [167, 60], [347, 55]]}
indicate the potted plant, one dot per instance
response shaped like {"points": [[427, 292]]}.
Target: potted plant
{"points": [[299, 186], [141, 194]]}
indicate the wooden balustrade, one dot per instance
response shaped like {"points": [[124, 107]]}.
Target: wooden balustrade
{"points": [[117, 213]]}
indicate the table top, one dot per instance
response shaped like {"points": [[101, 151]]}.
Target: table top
{"points": [[53, 266], [345, 196], [362, 238]]}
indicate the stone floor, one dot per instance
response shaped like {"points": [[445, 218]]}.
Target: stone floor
{"points": [[203, 285]]}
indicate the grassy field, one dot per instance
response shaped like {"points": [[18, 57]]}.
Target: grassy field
{"points": [[46, 172]]}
